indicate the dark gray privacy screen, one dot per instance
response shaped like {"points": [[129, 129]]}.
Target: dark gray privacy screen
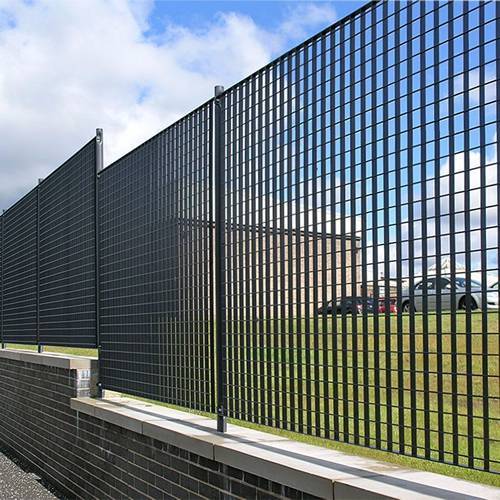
{"points": [[364, 164], [155, 267], [67, 252], [19, 259]]}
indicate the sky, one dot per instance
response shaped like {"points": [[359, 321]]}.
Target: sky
{"points": [[129, 67]]}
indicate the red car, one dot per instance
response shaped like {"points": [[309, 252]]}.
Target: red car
{"points": [[382, 305]]}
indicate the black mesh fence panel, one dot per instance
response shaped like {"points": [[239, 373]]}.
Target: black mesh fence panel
{"points": [[155, 267], [19, 264], [48, 259], [67, 271], [361, 213], [333, 254]]}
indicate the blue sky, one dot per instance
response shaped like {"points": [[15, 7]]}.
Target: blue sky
{"points": [[195, 14]]}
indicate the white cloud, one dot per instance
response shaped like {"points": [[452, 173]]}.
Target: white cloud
{"points": [[305, 16], [69, 67]]}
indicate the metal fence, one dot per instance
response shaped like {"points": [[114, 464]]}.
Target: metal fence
{"points": [[48, 259], [19, 276], [360, 176], [66, 255], [315, 249], [155, 252]]}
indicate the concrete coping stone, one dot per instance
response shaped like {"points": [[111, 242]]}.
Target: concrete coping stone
{"points": [[322, 472], [54, 360]]}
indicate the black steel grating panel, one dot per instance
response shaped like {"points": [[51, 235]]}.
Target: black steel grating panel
{"points": [[67, 252], [155, 267], [359, 164], [19, 259], [362, 163]]}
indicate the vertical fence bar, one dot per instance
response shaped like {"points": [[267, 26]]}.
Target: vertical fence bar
{"points": [[325, 337], [411, 266], [439, 331], [423, 243], [364, 71], [386, 237], [40, 347], [496, 463], [452, 255], [352, 255], [208, 258], [469, 356], [484, 263], [99, 165], [220, 228], [252, 289], [400, 249]]}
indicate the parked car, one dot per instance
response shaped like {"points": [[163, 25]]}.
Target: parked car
{"points": [[348, 305], [392, 305], [443, 287]]}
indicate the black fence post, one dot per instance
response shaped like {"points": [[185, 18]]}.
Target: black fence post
{"points": [[220, 309], [40, 346], [99, 165]]}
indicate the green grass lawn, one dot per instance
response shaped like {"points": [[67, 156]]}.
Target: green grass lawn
{"points": [[421, 379]]}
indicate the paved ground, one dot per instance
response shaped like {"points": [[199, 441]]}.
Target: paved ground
{"points": [[15, 484]]}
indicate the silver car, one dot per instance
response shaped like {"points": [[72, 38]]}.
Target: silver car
{"points": [[443, 286]]}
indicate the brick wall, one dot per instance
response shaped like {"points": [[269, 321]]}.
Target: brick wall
{"points": [[85, 457]]}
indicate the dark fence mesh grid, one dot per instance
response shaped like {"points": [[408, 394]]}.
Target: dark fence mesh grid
{"points": [[361, 176], [19, 259], [67, 303], [155, 267], [48, 259], [333, 255]]}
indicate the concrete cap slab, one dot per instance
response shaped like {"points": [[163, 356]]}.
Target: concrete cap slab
{"points": [[322, 472], [127, 419], [190, 438], [55, 360], [197, 434], [343, 491], [238, 433], [154, 412], [273, 466], [84, 405], [10, 354], [411, 484], [296, 463]]}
